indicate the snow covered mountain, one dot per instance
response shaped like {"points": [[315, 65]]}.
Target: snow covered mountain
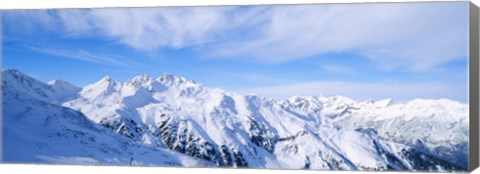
{"points": [[171, 120], [37, 129]]}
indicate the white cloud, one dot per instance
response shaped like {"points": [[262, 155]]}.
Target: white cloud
{"points": [[416, 36], [364, 91], [147, 29], [411, 36]]}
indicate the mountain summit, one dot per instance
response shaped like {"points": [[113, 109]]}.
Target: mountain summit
{"points": [[173, 121]]}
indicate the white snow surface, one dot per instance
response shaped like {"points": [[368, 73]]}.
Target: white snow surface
{"points": [[173, 121]]}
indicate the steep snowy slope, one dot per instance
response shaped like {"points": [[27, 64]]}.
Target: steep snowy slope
{"points": [[222, 128], [36, 130]]}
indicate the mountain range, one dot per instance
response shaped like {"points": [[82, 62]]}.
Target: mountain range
{"points": [[173, 121]]}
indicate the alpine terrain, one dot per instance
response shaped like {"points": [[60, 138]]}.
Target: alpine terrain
{"points": [[173, 121]]}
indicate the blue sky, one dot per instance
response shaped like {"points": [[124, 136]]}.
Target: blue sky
{"points": [[363, 51]]}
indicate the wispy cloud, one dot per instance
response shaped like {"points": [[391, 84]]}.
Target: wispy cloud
{"points": [[412, 36], [364, 91], [405, 36], [144, 29], [85, 56]]}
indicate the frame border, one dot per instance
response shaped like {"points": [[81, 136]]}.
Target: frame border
{"points": [[474, 90]]}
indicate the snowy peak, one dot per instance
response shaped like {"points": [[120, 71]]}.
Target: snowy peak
{"points": [[106, 81], [21, 83], [61, 84], [140, 79], [182, 87], [384, 103], [439, 103], [13, 72], [13, 75], [442, 109], [101, 89], [143, 81], [63, 90], [171, 80], [339, 100], [56, 91], [102, 84], [307, 104]]}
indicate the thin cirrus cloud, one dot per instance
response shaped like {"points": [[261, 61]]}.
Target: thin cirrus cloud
{"points": [[85, 56], [408, 36]]}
